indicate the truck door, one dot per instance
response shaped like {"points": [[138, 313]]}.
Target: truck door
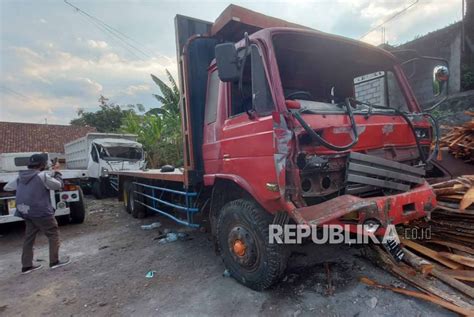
{"points": [[247, 138]]}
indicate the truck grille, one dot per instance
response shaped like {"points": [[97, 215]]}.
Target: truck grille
{"points": [[367, 173]]}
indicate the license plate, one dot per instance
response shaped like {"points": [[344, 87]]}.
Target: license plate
{"points": [[11, 204]]}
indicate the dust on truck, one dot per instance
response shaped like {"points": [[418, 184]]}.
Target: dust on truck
{"points": [[287, 125], [101, 153], [68, 202]]}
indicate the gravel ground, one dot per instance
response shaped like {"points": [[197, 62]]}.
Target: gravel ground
{"points": [[111, 255]]}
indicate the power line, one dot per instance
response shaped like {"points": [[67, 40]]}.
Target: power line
{"points": [[389, 19], [125, 39], [14, 93], [112, 37]]}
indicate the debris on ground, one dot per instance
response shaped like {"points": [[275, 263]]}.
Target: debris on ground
{"points": [[150, 274], [172, 237], [330, 287], [226, 273], [420, 295], [438, 253], [151, 226], [372, 302], [455, 195], [460, 141]]}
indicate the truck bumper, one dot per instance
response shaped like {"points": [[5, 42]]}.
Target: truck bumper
{"points": [[386, 210]]}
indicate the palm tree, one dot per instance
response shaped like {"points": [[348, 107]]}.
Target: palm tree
{"points": [[169, 111]]}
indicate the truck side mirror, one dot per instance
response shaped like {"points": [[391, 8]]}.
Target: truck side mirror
{"points": [[227, 62], [440, 79]]}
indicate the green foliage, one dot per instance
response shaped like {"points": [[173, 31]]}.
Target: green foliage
{"points": [[159, 129], [107, 119]]}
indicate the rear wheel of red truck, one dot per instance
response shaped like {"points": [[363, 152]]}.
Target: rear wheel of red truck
{"points": [[242, 237]]}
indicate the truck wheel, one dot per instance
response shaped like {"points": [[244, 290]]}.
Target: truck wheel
{"points": [[63, 220], [242, 237], [78, 210], [136, 209], [97, 190]]}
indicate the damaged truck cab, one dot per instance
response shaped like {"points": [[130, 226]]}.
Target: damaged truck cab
{"points": [[284, 124], [317, 126]]}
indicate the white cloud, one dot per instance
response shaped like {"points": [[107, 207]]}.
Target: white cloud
{"points": [[97, 44], [43, 21], [134, 89]]}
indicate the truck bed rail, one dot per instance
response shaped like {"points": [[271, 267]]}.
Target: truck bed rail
{"points": [[151, 197]]}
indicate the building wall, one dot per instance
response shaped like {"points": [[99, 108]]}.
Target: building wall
{"points": [[445, 43]]}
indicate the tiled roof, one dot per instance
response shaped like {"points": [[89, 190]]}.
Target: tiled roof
{"points": [[30, 137]]}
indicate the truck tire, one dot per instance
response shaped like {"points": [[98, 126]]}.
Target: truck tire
{"points": [[97, 190], [136, 209], [63, 220], [78, 209], [242, 238]]}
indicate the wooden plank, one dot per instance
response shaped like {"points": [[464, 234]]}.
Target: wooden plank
{"points": [[464, 260], [463, 275], [418, 281], [417, 262], [421, 265], [453, 245], [431, 254], [430, 298]]}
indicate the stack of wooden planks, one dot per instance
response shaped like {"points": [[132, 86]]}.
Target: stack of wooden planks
{"points": [[439, 252], [456, 194], [460, 141]]}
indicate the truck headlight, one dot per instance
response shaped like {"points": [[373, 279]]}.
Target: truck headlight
{"points": [[422, 133]]}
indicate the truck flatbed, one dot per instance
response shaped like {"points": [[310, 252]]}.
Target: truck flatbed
{"points": [[176, 176]]}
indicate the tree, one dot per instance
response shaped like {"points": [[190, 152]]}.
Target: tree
{"points": [[159, 129], [107, 119]]}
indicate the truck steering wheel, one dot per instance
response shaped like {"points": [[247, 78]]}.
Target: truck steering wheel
{"points": [[306, 94]]}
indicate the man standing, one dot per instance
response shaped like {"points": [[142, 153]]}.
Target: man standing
{"points": [[33, 204]]}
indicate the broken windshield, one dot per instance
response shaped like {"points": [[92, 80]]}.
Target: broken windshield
{"points": [[120, 153], [323, 72]]}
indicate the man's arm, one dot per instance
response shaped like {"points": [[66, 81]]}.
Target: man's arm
{"points": [[51, 182], [11, 185]]}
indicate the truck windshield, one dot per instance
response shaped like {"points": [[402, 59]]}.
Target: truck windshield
{"points": [[325, 71], [120, 153]]}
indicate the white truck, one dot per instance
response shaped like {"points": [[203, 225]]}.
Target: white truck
{"points": [[68, 202], [101, 153]]}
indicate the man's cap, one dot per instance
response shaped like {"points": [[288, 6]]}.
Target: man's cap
{"points": [[38, 159]]}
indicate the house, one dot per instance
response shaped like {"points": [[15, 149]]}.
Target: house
{"points": [[18, 137]]}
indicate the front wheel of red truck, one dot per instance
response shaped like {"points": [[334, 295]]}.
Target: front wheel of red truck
{"points": [[242, 237]]}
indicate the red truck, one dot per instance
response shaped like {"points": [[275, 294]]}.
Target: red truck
{"points": [[285, 124]]}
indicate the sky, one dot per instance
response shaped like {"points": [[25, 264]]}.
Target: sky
{"points": [[54, 60]]}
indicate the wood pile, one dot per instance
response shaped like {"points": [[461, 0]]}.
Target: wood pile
{"points": [[460, 141], [456, 194], [439, 252]]}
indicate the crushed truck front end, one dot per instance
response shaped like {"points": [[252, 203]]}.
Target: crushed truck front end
{"points": [[356, 147], [350, 143]]}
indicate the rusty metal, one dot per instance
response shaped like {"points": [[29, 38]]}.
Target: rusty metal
{"points": [[386, 209]]}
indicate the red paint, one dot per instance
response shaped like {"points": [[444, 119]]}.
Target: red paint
{"points": [[246, 150], [254, 151]]}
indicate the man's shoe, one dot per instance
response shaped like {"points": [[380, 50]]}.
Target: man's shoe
{"points": [[60, 263], [30, 269]]}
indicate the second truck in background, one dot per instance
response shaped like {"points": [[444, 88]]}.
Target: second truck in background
{"points": [[101, 153]]}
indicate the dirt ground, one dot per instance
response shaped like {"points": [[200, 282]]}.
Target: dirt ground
{"points": [[111, 255]]}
